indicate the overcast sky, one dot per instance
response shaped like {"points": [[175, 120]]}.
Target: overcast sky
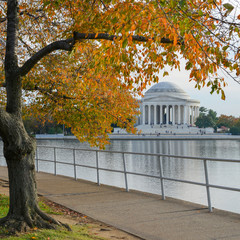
{"points": [[229, 106]]}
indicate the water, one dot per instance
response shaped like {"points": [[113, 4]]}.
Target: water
{"points": [[226, 174]]}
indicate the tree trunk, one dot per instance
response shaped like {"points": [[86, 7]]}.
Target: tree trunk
{"points": [[19, 148], [19, 151]]}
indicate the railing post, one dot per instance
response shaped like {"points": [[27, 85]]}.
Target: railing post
{"points": [[97, 166], [37, 160], [125, 172], [74, 164], [55, 162], [207, 186], [161, 177]]}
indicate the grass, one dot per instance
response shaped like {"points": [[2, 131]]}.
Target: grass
{"points": [[47, 209], [4, 205], [79, 232]]}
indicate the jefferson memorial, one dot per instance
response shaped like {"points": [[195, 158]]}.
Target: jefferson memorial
{"points": [[167, 104]]}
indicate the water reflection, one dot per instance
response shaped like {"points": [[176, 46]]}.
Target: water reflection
{"points": [[193, 170]]}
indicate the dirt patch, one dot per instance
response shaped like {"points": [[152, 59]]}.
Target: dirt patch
{"points": [[4, 187], [71, 217]]}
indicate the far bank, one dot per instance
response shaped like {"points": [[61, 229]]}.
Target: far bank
{"points": [[122, 136]]}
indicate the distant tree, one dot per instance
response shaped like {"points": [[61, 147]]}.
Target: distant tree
{"points": [[39, 126], [204, 121], [207, 118], [213, 115], [226, 121], [235, 130], [31, 125], [203, 110], [237, 123]]}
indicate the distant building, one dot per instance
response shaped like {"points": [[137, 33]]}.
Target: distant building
{"points": [[165, 103]]}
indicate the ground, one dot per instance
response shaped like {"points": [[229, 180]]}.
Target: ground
{"points": [[71, 217]]}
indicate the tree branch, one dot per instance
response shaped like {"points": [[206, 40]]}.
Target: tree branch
{"points": [[105, 7], [3, 19], [106, 36], [48, 92], [66, 45], [225, 21]]}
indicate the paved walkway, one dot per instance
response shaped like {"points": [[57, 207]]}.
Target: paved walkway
{"points": [[144, 215]]}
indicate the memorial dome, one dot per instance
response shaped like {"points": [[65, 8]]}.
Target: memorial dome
{"points": [[168, 88]]}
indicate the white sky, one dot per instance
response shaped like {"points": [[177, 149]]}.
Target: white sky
{"points": [[229, 106]]}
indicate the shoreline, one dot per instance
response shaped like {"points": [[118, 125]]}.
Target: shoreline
{"points": [[173, 137], [149, 137]]}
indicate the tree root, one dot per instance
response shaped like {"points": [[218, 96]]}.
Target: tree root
{"points": [[14, 224]]}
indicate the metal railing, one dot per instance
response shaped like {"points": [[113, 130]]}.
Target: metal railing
{"points": [[161, 177]]}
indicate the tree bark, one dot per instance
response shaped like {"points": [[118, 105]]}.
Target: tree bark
{"points": [[19, 152], [19, 147]]}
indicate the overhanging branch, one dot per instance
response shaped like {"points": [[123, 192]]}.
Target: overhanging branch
{"points": [[48, 92], [106, 36], [68, 44], [225, 21]]}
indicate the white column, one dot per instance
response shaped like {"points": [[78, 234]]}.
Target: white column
{"points": [[160, 114], [194, 119], [187, 115], [167, 114], [143, 115], [149, 114], [179, 115], [184, 114], [155, 114], [197, 111], [191, 108], [189, 112], [190, 115], [173, 114]]}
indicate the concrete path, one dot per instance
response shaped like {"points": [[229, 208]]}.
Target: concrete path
{"points": [[144, 215]]}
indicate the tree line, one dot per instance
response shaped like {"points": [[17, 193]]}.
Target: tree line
{"points": [[208, 118], [39, 126]]}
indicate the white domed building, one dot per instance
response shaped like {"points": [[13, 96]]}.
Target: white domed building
{"points": [[167, 104]]}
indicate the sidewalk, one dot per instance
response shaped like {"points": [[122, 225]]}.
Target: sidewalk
{"points": [[144, 215]]}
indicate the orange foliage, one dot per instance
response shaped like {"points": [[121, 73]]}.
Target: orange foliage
{"points": [[98, 82]]}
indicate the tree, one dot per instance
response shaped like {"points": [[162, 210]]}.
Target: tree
{"points": [[226, 121], [213, 115], [206, 120], [203, 110], [231, 122], [84, 62], [35, 126], [235, 130]]}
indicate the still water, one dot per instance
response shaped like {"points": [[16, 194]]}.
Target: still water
{"points": [[225, 174]]}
